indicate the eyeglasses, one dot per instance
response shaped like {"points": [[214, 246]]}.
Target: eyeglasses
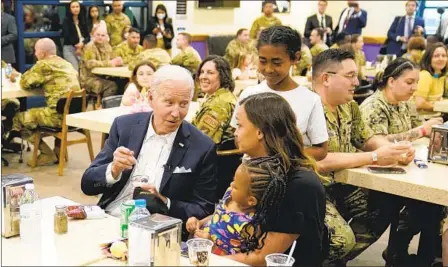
{"points": [[352, 77]]}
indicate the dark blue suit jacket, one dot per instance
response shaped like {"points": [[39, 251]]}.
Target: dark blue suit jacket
{"points": [[191, 194], [355, 24], [397, 29]]}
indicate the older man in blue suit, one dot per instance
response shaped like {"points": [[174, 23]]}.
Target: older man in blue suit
{"points": [[352, 19], [403, 28], [160, 151]]}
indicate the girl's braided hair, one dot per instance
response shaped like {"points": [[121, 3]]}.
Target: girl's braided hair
{"points": [[268, 180]]}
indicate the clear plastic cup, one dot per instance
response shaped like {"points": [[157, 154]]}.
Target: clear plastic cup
{"points": [[199, 251], [278, 259]]}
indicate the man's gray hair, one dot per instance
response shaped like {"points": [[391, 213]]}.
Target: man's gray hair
{"points": [[172, 73]]}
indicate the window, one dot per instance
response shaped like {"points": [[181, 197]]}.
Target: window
{"points": [[429, 11], [43, 18]]}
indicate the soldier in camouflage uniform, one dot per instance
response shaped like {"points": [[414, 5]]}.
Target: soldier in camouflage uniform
{"points": [[265, 21], [116, 22], [56, 77], [241, 45], [317, 40], [400, 122], [214, 115], [157, 56], [98, 54], [305, 61], [369, 212], [188, 57], [129, 49]]}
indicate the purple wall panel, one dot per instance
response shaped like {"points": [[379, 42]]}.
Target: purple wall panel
{"points": [[371, 51], [201, 47]]}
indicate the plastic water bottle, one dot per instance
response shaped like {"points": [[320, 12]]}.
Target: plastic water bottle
{"points": [[140, 210], [8, 71], [138, 239], [30, 215]]}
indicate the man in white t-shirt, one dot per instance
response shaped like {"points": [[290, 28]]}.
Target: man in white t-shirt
{"points": [[306, 105]]}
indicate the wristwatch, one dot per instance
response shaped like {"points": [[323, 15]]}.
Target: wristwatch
{"points": [[374, 158]]}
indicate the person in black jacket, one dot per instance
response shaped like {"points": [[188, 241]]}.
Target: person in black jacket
{"points": [[320, 20], [75, 34], [161, 28]]}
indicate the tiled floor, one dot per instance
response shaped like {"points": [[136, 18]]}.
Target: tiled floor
{"points": [[48, 184]]}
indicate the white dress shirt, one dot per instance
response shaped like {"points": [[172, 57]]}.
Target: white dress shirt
{"points": [[347, 12], [150, 165], [322, 21], [406, 28], [320, 18]]}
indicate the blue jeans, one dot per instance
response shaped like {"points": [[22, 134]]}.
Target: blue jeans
{"points": [[69, 53]]}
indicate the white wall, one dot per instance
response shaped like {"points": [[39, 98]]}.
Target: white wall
{"points": [[225, 21]]}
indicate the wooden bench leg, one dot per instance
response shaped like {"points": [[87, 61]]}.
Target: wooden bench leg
{"points": [[103, 140], [89, 144], [36, 149], [62, 152]]}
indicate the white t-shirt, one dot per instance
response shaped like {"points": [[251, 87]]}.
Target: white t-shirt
{"points": [[306, 105]]}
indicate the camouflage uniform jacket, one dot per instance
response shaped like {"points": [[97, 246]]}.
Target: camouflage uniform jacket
{"points": [[189, 59], [124, 51], [214, 115], [360, 60], [317, 49], [263, 22], [54, 75], [94, 56], [235, 48], [384, 118], [115, 25], [157, 56], [305, 61], [346, 130], [414, 57], [334, 46]]}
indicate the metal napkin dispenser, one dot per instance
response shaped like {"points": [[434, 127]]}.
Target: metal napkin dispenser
{"points": [[13, 186], [438, 144], [154, 241]]}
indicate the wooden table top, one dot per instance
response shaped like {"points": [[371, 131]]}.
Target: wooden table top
{"points": [[430, 185], [101, 120], [123, 72]]}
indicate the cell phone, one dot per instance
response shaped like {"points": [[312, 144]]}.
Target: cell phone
{"points": [[392, 170]]}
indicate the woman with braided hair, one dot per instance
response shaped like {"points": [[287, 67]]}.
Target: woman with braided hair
{"points": [[266, 127], [239, 221]]}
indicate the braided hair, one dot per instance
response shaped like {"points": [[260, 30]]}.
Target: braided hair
{"points": [[281, 35], [268, 180], [394, 70]]}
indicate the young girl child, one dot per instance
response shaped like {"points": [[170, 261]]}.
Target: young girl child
{"points": [[136, 91], [278, 50], [244, 68], [242, 217]]}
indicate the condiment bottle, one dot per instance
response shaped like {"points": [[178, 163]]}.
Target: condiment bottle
{"points": [[60, 220]]}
